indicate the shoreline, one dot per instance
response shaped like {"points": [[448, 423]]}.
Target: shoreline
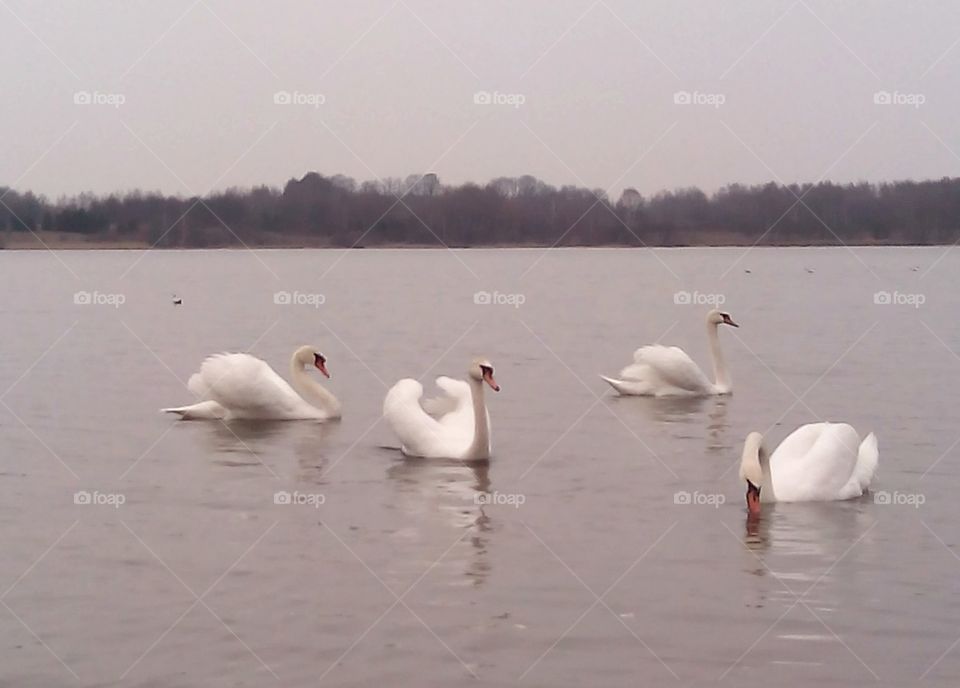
{"points": [[61, 242]]}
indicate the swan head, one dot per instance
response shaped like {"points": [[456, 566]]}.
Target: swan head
{"points": [[481, 370], [308, 356], [718, 317], [751, 470]]}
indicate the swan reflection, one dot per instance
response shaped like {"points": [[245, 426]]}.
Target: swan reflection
{"points": [[802, 541], [717, 426], [426, 487], [251, 441]]}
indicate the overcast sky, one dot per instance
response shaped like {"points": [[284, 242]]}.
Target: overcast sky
{"points": [[183, 92]]}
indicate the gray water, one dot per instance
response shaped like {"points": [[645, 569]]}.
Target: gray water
{"points": [[599, 577]]}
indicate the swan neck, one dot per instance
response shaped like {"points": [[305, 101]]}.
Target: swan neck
{"points": [[480, 448], [314, 394], [755, 466], [721, 375]]}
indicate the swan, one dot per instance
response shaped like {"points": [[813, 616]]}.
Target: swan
{"points": [[454, 426], [817, 462], [232, 386], [667, 371]]}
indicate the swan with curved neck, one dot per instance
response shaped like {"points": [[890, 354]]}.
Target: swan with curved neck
{"points": [[663, 371], [454, 426], [233, 386], [816, 462]]}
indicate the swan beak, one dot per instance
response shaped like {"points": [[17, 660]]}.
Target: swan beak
{"points": [[753, 499], [728, 321], [488, 378], [321, 365]]}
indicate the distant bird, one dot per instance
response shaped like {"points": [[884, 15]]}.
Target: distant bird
{"points": [[809, 270], [915, 268], [747, 271], [177, 300]]}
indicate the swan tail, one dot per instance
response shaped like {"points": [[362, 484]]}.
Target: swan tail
{"points": [[867, 459], [204, 410], [627, 387], [620, 386]]}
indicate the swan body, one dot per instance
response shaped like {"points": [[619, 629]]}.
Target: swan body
{"points": [[455, 425], [817, 462], [667, 371], [241, 386]]}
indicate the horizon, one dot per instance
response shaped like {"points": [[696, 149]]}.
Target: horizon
{"points": [[710, 193]]}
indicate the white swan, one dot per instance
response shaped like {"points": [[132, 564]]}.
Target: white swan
{"points": [[455, 426], [815, 463], [667, 371], [232, 386]]}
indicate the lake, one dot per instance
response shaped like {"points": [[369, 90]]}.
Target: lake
{"points": [[144, 551]]}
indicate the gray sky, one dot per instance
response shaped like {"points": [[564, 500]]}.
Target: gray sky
{"points": [[780, 90]]}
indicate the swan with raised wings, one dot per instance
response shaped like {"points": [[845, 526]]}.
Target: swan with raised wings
{"points": [[454, 426], [817, 462], [234, 386], [667, 371]]}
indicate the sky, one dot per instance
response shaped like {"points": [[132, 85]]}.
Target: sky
{"points": [[189, 96]]}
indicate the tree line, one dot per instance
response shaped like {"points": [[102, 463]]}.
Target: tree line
{"points": [[317, 210]]}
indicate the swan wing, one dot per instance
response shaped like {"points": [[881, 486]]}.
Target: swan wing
{"points": [[455, 397], [418, 431], [247, 387], [868, 456], [815, 463], [666, 369]]}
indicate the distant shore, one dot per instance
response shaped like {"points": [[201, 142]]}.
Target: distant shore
{"points": [[64, 241]]}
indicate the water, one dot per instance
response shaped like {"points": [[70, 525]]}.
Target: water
{"points": [[398, 577]]}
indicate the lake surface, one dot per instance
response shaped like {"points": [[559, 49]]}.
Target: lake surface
{"points": [[586, 572]]}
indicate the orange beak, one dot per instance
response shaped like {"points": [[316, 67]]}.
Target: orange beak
{"points": [[753, 499], [322, 367], [488, 378]]}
